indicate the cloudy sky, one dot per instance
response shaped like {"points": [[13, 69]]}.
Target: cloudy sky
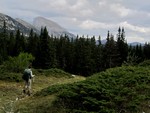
{"points": [[87, 17]]}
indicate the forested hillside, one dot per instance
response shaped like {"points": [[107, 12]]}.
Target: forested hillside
{"points": [[82, 55]]}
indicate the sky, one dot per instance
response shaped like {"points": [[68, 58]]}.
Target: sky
{"points": [[88, 17]]}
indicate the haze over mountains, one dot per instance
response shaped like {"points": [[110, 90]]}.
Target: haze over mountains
{"points": [[39, 22]]}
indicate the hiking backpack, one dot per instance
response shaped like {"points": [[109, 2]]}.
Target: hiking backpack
{"points": [[26, 75]]}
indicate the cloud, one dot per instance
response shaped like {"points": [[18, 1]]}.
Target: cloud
{"points": [[87, 16], [136, 38], [80, 8], [102, 3], [90, 24], [120, 9], [133, 32], [135, 28]]}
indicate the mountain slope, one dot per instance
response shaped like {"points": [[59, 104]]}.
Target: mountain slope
{"points": [[13, 25], [52, 27], [28, 25]]}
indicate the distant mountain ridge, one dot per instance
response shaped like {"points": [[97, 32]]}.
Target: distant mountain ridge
{"points": [[136, 43], [12, 25], [130, 44], [42, 22], [52, 27]]}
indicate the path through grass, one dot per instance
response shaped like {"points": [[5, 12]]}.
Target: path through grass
{"points": [[12, 99]]}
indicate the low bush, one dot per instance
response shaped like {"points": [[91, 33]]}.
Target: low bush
{"points": [[54, 72], [145, 63], [117, 90], [17, 76], [54, 89], [13, 77]]}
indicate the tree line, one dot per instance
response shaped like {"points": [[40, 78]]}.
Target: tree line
{"points": [[80, 55]]}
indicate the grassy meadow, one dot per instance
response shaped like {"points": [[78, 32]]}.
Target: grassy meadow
{"points": [[13, 100]]}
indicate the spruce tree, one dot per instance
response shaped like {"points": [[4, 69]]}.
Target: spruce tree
{"points": [[98, 56], [61, 49], [92, 56], [4, 44], [69, 54], [11, 44], [32, 43], [110, 55], [19, 43], [52, 52], [42, 59], [122, 46], [4, 27], [139, 53], [146, 51], [83, 56]]}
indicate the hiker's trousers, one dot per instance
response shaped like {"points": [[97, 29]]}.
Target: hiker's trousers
{"points": [[27, 86]]}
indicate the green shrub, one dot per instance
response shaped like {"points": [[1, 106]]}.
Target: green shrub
{"points": [[52, 90], [17, 77], [17, 64], [54, 72], [12, 69], [9, 76], [122, 89], [145, 63]]}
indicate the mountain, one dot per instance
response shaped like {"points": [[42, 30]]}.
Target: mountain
{"points": [[52, 27], [136, 43], [12, 25], [130, 44], [28, 25]]}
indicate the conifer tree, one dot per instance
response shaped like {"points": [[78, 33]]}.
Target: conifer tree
{"points": [[139, 53], [3, 44], [32, 43], [110, 52], [52, 52], [78, 55], [146, 51], [92, 55], [69, 54], [122, 46], [61, 49], [43, 51], [98, 56], [4, 27], [11, 44], [19, 43], [83, 56]]}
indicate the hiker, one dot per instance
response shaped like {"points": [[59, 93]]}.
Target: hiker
{"points": [[27, 77]]}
